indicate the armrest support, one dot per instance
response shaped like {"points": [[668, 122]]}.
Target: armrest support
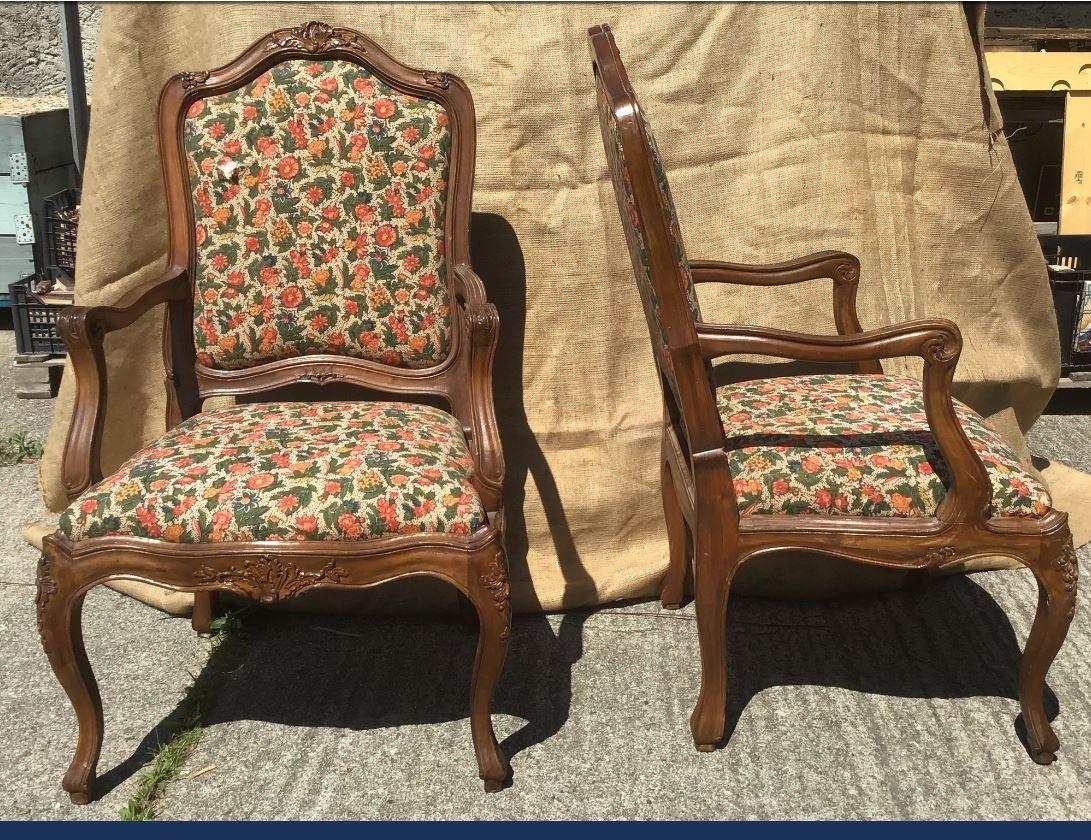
{"points": [[84, 329], [482, 323], [839, 266], [468, 286], [938, 342]]}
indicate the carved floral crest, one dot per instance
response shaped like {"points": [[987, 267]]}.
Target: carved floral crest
{"points": [[269, 579], [316, 36]]}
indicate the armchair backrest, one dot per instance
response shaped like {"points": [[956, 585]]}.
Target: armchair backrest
{"points": [[655, 245], [319, 195]]}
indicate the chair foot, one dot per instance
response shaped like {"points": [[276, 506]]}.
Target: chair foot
{"points": [[707, 748], [672, 606], [494, 785], [1043, 757], [80, 797]]}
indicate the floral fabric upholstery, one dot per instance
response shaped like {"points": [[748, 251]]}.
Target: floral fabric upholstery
{"points": [[634, 235], [856, 445], [290, 471], [319, 195]]}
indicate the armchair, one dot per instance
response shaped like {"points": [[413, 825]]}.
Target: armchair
{"points": [[863, 466], [318, 198]]}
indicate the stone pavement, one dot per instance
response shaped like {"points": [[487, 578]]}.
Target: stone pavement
{"points": [[893, 706]]}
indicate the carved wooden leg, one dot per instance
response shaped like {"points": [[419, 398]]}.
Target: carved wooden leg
{"points": [[489, 594], [59, 622], [1057, 579], [712, 583], [204, 610], [673, 589]]}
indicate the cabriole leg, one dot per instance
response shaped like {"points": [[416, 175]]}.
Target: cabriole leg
{"points": [[712, 583], [1057, 579], [60, 624], [204, 610], [489, 594], [672, 590]]}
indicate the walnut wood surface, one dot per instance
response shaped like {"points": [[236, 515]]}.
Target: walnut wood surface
{"points": [[704, 527], [271, 571]]}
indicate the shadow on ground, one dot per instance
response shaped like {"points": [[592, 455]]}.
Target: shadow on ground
{"points": [[404, 671]]}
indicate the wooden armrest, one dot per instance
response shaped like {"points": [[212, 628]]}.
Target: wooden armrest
{"points": [[468, 286], [839, 266], [83, 329], [938, 342], [482, 323]]}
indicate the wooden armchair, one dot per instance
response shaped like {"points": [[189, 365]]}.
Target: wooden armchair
{"points": [[319, 196], [864, 466]]}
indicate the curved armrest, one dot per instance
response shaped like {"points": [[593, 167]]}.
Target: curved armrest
{"points": [[482, 323], [937, 341], [468, 286], [83, 329], [841, 267]]}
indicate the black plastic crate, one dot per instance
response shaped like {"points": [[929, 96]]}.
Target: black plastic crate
{"points": [[1069, 286], [62, 221], [35, 322]]}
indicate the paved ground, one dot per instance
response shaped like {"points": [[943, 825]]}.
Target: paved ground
{"points": [[898, 706]]}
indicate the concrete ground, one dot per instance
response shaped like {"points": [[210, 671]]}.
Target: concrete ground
{"points": [[892, 706]]}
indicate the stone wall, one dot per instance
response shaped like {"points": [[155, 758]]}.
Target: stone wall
{"points": [[30, 47]]}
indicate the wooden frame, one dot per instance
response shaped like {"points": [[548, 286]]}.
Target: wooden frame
{"points": [[703, 522], [272, 571]]}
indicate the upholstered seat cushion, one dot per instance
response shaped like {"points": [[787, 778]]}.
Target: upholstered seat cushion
{"points": [[856, 445], [290, 471]]}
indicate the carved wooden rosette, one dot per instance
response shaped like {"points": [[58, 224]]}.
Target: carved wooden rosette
{"points": [[495, 580], [269, 579], [194, 78], [940, 556], [847, 272], [47, 588], [438, 80]]}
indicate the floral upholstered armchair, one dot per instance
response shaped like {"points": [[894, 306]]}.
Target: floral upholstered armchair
{"points": [[864, 466], [318, 196]]}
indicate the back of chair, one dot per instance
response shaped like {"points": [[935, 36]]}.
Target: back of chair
{"points": [[319, 194], [656, 249]]}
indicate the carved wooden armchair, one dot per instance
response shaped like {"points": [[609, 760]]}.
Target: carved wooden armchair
{"points": [[865, 466], [319, 197]]}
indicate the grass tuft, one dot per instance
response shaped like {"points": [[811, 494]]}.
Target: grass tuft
{"points": [[168, 757], [17, 447]]}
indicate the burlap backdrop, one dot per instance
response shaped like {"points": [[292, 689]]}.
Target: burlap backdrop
{"points": [[785, 129]]}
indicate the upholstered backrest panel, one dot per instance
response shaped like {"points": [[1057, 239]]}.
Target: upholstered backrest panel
{"points": [[634, 231], [319, 196]]}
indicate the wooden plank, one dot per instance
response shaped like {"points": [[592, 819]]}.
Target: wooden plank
{"points": [[1012, 71], [1076, 166]]}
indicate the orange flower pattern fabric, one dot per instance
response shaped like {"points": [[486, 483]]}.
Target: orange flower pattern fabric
{"points": [[855, 445], [290, 471], [319, 194]]}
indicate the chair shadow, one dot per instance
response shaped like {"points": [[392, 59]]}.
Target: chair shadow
{"points": [[944, 639], [390, 671], [393, 671]]}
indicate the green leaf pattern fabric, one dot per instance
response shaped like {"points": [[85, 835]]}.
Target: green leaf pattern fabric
{"points": [[856, 445], [290, 471], [319, 196]]}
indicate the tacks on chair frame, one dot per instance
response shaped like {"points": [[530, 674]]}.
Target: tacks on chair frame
{"points": [[454, 532], [704, 442]]}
